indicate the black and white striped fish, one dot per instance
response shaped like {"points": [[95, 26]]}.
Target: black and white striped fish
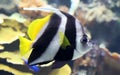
{"points": [[59, 37]]}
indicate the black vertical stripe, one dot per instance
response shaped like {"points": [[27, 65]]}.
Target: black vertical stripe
{"points": [[64, 54], [43, 42], [70, 33]]}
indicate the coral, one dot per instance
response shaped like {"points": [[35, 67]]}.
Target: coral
{"points": [[113, 58], [63, 8], [99, 13], [107, 3], [1, 47], [12, 57], [13, 70], [13, 35], [99, 62], [18, 17], [14, 26], [31, 3], [2, 17]]}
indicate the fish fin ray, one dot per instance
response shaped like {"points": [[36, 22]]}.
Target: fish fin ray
{"points": [[45, 9]]}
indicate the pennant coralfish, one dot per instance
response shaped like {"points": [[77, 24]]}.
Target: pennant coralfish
{"points": [[56, 37]]}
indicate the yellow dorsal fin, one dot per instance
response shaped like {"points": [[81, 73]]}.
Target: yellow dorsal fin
{"points": [[36, 26], [63, 40], [25, 45]]}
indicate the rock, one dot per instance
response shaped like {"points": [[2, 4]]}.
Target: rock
{"points": [[8, 6], [1, 47]]}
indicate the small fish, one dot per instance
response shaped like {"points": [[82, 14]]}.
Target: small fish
{"points": [[56, 37]]}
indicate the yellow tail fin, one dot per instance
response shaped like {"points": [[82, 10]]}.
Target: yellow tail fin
{"points": [[25, 45]]}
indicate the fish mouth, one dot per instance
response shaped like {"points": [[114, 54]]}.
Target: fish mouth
{"points": [[94, 45], [90, 43]]}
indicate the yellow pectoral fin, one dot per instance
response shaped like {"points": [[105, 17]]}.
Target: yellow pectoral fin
{"points": [[25, 45], [36, 26], [61, 35], [63, 40]]}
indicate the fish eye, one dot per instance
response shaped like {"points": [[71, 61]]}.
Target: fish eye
{"points": [[84, 39]]}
